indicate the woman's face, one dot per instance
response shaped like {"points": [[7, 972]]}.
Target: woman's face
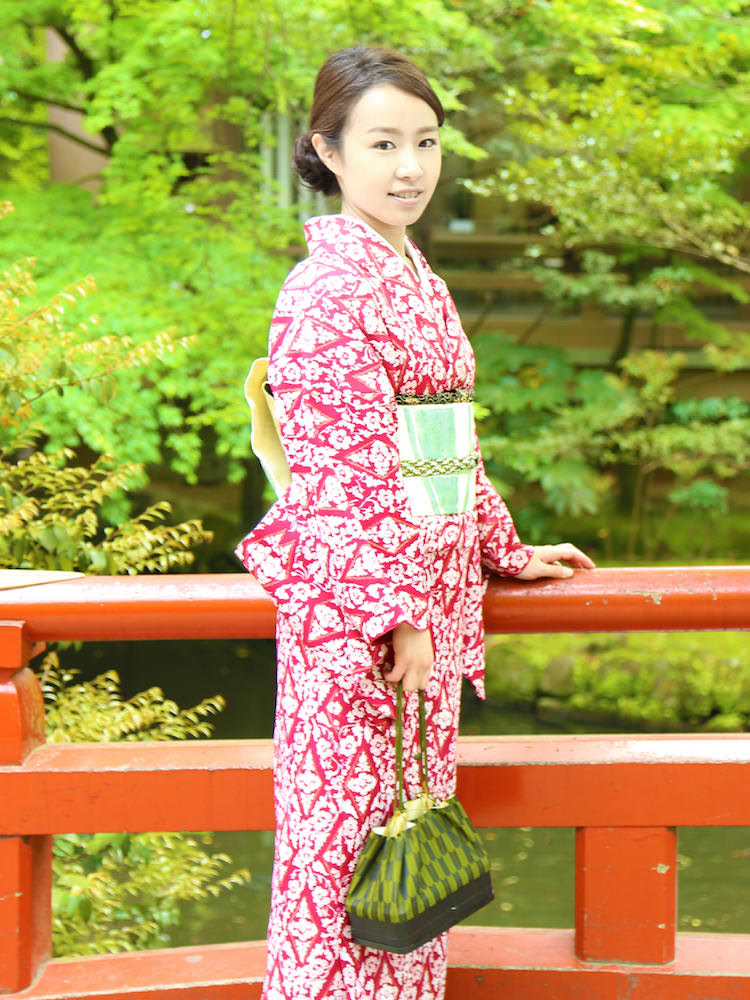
{"points": [[388, 160]]}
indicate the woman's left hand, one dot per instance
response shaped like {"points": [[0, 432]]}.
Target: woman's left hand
{"points": [[545, 561]]}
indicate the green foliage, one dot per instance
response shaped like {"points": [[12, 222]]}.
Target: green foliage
{"points": [[51, 517], [629, 124], [573, 438], [654, 681], [623, 126], [206, 285], [94, 712], [111, 892], [53, 513], [188, 231], [118, 891]]}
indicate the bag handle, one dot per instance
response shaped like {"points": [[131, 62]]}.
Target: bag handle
{"points": [[424, 777]]}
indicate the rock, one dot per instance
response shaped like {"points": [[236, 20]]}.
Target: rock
{"points": [[558, 678], [508, 678]]}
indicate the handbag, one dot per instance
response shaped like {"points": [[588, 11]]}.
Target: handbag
{"points": [[423, 871]]}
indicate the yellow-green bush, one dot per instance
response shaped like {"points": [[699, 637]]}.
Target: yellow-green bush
{"points": [[120, 891]]}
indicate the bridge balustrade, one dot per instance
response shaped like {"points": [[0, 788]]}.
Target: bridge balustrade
{"points": [[626, 796]]}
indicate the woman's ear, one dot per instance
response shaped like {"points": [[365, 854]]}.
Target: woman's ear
{"points": [[328, 154]]}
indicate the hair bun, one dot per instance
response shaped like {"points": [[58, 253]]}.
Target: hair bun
{"points": [[311, 169]]}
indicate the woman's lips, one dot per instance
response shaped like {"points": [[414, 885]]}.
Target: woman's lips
{"points": [[406, 196]]}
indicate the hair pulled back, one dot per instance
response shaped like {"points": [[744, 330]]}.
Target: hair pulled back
{"points": [[341, 81]]}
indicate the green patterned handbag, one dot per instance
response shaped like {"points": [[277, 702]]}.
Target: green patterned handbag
{"points": [[423, 871]]}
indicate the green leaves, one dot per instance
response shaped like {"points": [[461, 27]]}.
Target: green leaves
{"points": [[624, 129], [622, 124], [702, 496], [638, 142], [186, 233], [118, 891], [52, 511], [182, 301], [604, 423]]}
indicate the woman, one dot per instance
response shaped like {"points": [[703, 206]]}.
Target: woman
{"points": [[376, 575]]}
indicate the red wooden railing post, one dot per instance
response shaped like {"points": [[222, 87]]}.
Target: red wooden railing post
{"points": [[25, 862], [626, 894]]}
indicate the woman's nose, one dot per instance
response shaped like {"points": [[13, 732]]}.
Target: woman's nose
{"points": [[409, 165]]}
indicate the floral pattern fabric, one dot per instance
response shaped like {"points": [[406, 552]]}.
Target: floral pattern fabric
{"points": [[346, 560]]}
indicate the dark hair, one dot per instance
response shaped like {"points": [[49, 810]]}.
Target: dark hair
{"points": [[340, 82]]}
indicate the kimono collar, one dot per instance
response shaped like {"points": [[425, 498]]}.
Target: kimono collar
{"points": [[358, 243]]}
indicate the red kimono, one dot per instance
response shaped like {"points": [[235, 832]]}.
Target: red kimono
{"points": [[346, 561]]}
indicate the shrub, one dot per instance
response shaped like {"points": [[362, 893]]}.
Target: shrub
{"points": [[119, 891]]}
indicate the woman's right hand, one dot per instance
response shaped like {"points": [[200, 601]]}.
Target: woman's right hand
{"points": [[413, 655]]}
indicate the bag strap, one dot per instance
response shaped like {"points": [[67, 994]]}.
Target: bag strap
{"points": [[398, 802], [424, 776]]}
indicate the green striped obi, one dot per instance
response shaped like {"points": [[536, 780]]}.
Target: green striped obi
{"points": [[437, 450]]}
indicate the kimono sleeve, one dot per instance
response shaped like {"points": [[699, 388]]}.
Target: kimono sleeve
{"points": [[502, 550], [338, 423]]}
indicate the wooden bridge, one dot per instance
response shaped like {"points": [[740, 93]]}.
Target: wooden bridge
{"points": [[625, 795]]}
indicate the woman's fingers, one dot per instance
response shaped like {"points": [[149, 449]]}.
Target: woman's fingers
{"points": [[547, 560], [568, 553], [556, 570], [412, 678]]}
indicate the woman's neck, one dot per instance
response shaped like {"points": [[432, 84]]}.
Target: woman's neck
{"points": [[395, 235]]}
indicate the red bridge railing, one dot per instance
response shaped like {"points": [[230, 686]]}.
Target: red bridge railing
{"points": [[626, 796]]}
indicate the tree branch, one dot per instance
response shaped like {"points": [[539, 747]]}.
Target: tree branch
{"points": [[85, 62], [69, 384], [701, 247], [87, 67], [60, 131], [41, 99]]}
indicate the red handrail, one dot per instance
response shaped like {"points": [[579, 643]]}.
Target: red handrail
{"points": [[625, 795], [233, 606]]}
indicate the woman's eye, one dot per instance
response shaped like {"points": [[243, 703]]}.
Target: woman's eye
{"points": [[428, 143], [384, 144]]}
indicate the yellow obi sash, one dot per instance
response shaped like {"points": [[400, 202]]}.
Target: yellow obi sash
{"points": [[438, 453], [265, 439]]}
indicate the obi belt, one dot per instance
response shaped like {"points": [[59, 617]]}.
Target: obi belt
{"points": [[436, 444]]}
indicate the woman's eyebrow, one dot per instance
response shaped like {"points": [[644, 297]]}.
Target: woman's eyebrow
{"points": [[397, 131]]}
